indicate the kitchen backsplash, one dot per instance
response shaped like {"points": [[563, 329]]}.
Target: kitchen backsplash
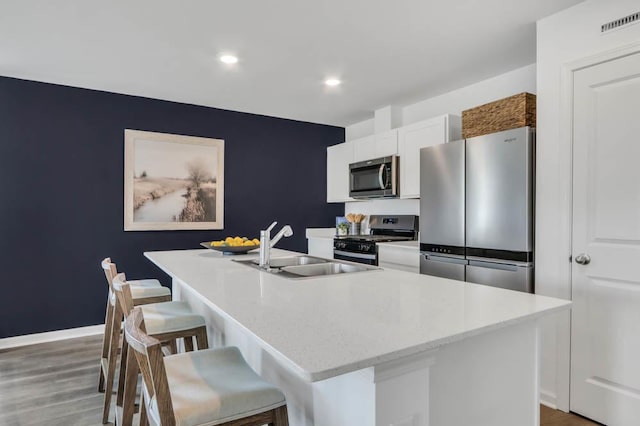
{"points": [[395, 206]]}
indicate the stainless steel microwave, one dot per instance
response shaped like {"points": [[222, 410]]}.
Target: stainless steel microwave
{"points": [[376, 178]]}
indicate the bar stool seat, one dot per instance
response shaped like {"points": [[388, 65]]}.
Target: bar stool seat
{"points": [[207, 387], [144, 290], [215, 386], [169, 317], [147, 282]]}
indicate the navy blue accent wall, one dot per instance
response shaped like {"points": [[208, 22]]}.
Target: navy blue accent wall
{"points": [[61, 193]]}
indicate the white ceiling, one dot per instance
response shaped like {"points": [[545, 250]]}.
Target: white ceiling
{"points": [[387, 52]]}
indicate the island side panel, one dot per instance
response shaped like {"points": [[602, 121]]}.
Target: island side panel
{"points": [[223, 332], [488, 380]]}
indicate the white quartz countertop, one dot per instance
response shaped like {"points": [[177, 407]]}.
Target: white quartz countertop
{"points": [[327, 326]]}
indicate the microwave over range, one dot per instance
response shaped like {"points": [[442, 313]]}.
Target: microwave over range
{"points": [[376, 178]]}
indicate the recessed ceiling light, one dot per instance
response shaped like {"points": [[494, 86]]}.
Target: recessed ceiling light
{"points": [[332, 82], [228, 59]]}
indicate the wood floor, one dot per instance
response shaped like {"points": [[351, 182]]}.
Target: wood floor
{"points": [[51, 383], [551, 417], [56, 384]]}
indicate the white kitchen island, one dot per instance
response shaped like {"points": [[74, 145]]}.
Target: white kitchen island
{"points": [[381, 347]]}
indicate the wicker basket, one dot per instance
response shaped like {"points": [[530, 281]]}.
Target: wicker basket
{"points": [[508, 113]]}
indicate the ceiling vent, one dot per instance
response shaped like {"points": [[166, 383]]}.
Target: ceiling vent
{"points": [[620, 22]]}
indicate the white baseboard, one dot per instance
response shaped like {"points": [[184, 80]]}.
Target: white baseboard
{"points": [[548, 399], [51, 336]]}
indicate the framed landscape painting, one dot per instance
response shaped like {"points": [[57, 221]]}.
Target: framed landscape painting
{"points": [[172, 182]]}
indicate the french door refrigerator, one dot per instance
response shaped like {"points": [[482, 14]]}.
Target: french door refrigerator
{"points": [[476, 209]]}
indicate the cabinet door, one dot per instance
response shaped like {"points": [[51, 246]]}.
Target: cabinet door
{"points": [[410, 140], [320, 247], [386, 143], [338, 159], [381, 145], [364, 149]]}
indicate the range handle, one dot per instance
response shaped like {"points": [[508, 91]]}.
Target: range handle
{"points": [[355, 255]]}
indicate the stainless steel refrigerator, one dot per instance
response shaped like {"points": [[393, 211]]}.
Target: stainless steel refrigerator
{"points": [[477, 208]]}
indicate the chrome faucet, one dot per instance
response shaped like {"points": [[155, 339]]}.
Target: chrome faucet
{"points": [[266, 242]]}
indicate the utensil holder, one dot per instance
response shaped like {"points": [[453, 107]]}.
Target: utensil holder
{"points": [[355, 229]]}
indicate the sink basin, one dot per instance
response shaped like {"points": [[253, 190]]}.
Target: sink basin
{"points": [[307, 266], [329, 268], [280, 262]]}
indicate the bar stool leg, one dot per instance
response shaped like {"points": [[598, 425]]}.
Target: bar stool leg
{"points": [[111, 361], [106, 341], [144, 420], [173, 347], [129, 390], [124, 350], [281, 417], [202, 339], [188, 344]]}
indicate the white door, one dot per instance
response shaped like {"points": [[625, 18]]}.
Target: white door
{"points": [[605, 327]]}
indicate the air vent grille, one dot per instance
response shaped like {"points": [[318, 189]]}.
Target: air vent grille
{"points": [[620, 22]]}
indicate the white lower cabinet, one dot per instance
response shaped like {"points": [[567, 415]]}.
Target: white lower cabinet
{"points": [[320, 247], [401, 256]]}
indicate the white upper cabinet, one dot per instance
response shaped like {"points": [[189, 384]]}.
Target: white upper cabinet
{"points": [[405, 141], [376, 146], [419, 135], [338, 159]]}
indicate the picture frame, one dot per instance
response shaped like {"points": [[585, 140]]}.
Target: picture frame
{"points": [[172, 182]]}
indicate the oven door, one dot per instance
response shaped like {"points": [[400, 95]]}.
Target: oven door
{"points": [[374, 178], [366, 258]]}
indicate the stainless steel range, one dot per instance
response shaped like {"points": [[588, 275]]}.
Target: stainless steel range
{"points": [[383, 228]]}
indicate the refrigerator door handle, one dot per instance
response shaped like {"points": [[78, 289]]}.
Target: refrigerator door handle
{"points": [[445, 259], [512, 267], [482, 261]]}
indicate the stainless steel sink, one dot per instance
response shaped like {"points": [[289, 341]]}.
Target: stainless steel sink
{"points": [[307, 266], [280, 262], [330, 268]]}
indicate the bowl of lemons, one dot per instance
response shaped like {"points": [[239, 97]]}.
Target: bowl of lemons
{"points": [[233, 245]]}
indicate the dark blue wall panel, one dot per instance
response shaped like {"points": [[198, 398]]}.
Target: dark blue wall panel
{"points": [[61, 192]]}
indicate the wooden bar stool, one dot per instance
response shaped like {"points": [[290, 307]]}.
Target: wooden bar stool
{"points": [[143, 291], [209, 387], [166, 322], [110, 271]]}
